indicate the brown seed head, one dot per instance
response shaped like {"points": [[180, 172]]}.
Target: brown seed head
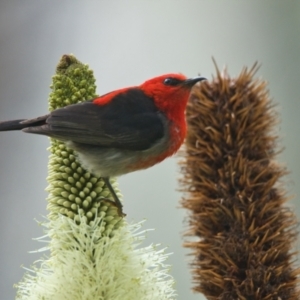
{"points": [[233, 192]]}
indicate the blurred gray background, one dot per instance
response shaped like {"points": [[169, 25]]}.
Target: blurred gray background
{"points": [[126, 42]]}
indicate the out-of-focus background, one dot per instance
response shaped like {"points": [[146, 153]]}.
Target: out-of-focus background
{"points": [[126, 42]]}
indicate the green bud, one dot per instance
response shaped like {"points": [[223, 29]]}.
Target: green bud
{"points": [[73, 191]]}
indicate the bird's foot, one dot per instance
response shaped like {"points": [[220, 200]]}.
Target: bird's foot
{"points": [[116, 201], [112, 202]]}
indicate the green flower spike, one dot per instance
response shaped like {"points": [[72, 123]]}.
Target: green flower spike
{"points": [[94, 252], [73, 190]]}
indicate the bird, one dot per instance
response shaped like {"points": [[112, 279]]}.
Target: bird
{"points": [[125, 130]]}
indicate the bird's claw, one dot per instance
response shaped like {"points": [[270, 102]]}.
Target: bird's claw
{"points": [[112, 202]]}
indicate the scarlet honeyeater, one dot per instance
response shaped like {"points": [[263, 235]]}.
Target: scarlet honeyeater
{"points": [[122, 131]]}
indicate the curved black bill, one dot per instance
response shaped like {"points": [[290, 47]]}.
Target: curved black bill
{"points": [[191, 81]]}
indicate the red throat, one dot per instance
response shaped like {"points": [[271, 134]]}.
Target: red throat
{"points": [[172, 102]]}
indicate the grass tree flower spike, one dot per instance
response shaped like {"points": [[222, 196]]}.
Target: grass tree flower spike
{"points": [[94, 252], [73, 190], [235, 194]]}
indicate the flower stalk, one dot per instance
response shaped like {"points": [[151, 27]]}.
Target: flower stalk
{"points": [[94, 252], [235, 195]]}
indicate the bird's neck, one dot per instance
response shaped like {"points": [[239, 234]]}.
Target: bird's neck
{"points": [[177, 126]]}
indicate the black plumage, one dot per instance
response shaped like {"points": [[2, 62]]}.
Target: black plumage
{"points": [[130, 122]]}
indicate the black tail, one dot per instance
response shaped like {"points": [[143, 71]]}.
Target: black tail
{"points": [[12, 125], [22, 123]]}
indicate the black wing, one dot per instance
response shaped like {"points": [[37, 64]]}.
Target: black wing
{"points": [[130, 121]]}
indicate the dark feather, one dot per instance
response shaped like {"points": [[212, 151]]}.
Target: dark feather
{"points": [[21, 123], [130, 121]]}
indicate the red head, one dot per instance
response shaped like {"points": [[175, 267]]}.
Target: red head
{"points": [[170, 93]]}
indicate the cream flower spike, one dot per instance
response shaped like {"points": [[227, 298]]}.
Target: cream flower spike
{"points": [[94, 252]]}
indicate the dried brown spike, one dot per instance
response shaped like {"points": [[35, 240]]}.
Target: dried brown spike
{"points": [[232, 191]]}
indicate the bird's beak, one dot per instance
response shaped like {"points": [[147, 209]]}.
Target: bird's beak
{"points": [[191, 81]]}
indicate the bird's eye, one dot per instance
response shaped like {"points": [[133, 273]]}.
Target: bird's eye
{"points": [[172, 81]]}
